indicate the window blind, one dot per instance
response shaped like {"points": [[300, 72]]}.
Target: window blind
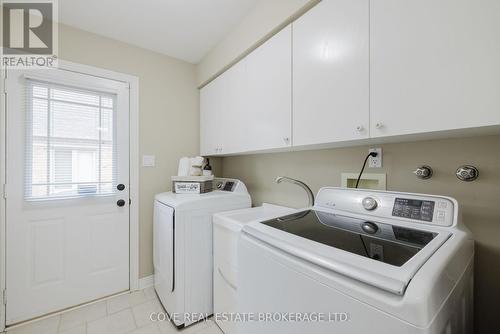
{"points": [[70, 142]]}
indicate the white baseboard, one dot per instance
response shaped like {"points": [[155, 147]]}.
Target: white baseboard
{"points": [[146, 282]]}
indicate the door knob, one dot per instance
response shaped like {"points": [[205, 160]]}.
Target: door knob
{"points": [[120, 202], [120, 187]]}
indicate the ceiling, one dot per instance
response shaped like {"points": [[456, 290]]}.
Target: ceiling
{"points": [[184, 29]]}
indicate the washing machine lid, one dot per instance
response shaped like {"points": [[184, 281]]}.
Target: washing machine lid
{"points": [[376, 253], [236, 219]]}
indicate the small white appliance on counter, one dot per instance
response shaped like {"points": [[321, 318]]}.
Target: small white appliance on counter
{"points": [[227, 228], [359, 261], [182, 243]]}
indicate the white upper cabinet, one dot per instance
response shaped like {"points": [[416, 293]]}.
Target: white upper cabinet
{"points": [[210, 110], [234, 100], [331, 73], [361, 69], [434, 65], [268, 119], [248, 107], [222, 108]]}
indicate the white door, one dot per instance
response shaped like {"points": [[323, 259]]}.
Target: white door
{"points": [[331, 73], [67, 220], [434, 65]]}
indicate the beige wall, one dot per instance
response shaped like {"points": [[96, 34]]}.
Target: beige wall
{"points": [[479, 200], [169, 113], [266, 18]]}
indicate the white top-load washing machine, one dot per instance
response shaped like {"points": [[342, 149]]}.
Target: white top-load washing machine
{"points": [[182, 243], [227, 228], [359, 261]]}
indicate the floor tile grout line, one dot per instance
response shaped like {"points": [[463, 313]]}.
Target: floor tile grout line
{"points": [[107, 314]]}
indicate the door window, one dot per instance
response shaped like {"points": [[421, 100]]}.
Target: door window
{"points": [[70, 149]]}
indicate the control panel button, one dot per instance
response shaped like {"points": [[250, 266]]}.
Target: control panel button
{"points": [[369, 203], [441, 215], [443, 205], [369, 227]]}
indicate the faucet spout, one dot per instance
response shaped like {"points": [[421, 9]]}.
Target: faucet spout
{"points": [[301, 184]]}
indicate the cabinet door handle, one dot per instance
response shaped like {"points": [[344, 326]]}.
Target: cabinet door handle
{"points": [[379, 125], [286, 140], [360, 128]]}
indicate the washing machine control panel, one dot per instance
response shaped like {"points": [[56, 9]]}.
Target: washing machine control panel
{"points": [[417, 208], [413, 209]]}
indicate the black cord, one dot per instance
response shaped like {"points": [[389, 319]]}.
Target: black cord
{"points": [[371, 154]]}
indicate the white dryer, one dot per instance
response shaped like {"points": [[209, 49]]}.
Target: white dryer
{"points": [[183, 256], [359, 261]]}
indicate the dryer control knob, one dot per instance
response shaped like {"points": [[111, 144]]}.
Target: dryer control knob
{"points": [[369, 203]]}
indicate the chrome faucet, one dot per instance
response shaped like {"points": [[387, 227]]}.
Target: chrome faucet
{"points": [[304, 186]]}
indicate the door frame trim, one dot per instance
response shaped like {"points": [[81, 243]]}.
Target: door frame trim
{"points": [[133, 82]]}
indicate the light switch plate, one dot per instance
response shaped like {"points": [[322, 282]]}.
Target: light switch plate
{"points": [[148, 161], [375, 162]]}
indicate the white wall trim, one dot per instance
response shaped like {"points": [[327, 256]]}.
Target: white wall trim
{"points": [[2, 201], [146, 282], [133, 82]]}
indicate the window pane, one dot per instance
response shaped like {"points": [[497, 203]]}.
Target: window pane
{"points": [[107, 102], [63, 169], [74, 96], [71, 145], [106, 124], [40, 91], [74, 121], [39, 117], [39, 163]]}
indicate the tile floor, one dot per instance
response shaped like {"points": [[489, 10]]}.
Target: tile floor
{"points": [[124, 314]]}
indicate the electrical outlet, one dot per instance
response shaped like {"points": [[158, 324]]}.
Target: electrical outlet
{"points": [[375, 162]]}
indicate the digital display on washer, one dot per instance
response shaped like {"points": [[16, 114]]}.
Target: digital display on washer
{"points": [[413, 209]]}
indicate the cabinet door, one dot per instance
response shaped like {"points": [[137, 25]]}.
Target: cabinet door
{"points": [[331, 73], [211, 104], [234, 102], [435, 65], [267, 123]]}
